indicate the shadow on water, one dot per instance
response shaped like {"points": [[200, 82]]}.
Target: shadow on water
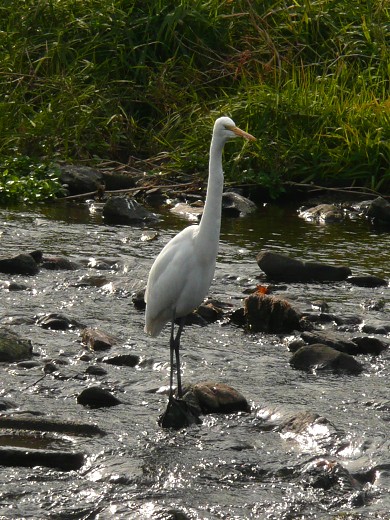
{"points": [[232, 467]]}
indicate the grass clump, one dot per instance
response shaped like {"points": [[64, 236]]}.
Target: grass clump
{"points": [[111, 79]]}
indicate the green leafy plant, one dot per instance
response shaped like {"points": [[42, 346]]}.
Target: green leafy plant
{"points": [[27, 181]]}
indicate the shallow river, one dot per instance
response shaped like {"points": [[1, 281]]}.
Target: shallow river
{"points": [[230, 467]]}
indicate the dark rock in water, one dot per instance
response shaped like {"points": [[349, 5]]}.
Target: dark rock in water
{"points": [[326, 474], [123, 210], [97, 397], [270, 314], [20, 264], [370, 345], [56, 321], [45, 424], [209, 312], [138, 300], [379, 211], [118, 181], [235, 205], [96, 339], [283, 268], [331, 339], [179, 414], [238, 317], [60, 263], [13, 347], [96, 370], [29, 457], [14, 286], [80, 179], [123, 360], [6, 404], [301, 422], [373, 328], [323, 213], [367, 281], [209, 397], [322, 357]]}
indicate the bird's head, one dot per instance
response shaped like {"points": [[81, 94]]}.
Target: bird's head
{"points": [[225, 128]]}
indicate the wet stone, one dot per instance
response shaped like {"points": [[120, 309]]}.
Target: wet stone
{"points": [[283, 268], [379, 211], [323, 357], [236, 205], [13, 347], [80, 179], [128, 360], [336, 341], [97, 397], [96, 370], [368, 281], [96, 339], [20, 264], [123, 210], [270, 314], [210, 397], [59, 263], [323, 213], [138, 300], [370, 345], [57, 321]]}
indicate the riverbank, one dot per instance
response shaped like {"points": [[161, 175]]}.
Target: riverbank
{"points": [[143, 82]]}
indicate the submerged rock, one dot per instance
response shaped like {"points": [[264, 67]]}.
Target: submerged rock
{"points": [[379, 211], [96, 339], [59, 263], [270, 314], [80, 179], [97, 397], [122, 360], [209, 397], [367, 281], [236, 205], [323, 213], [323, 357], [331, 339], [13, 347], [283, 268], [57, 321], [30, 457], [124, 210], [20, 264]]}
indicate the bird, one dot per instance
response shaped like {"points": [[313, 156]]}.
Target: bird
{"points": [[181, 275]]}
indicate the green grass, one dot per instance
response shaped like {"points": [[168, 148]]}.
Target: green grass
{"points": [[111, 79]]}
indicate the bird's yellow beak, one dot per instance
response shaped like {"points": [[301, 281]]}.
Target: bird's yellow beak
{"points": [[241, 133]]}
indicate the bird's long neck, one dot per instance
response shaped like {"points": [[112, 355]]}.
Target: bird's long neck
{"points": [[210, 223]]}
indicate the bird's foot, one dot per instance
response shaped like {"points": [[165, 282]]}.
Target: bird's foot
{"points": [[178, 414]]}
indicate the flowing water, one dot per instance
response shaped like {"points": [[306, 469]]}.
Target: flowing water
{"points": [[231, 467]]}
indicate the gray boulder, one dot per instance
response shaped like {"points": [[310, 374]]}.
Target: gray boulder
{"points": [[124, 210], [235, 205], [283, 268], [322, 357], [20, 264], [379, 211], [80, 179], [13, 347]]}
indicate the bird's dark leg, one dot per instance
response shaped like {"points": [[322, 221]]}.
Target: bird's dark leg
{"points": [[177, 353], [172, 350]]}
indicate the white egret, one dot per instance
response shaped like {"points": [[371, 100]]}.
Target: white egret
{"points": [[182, 273]]}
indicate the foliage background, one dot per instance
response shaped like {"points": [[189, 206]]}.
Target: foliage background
{"points": [[117, 79]]}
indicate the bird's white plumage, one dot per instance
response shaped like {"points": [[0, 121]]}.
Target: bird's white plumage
{"points": [[181, 275]]}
